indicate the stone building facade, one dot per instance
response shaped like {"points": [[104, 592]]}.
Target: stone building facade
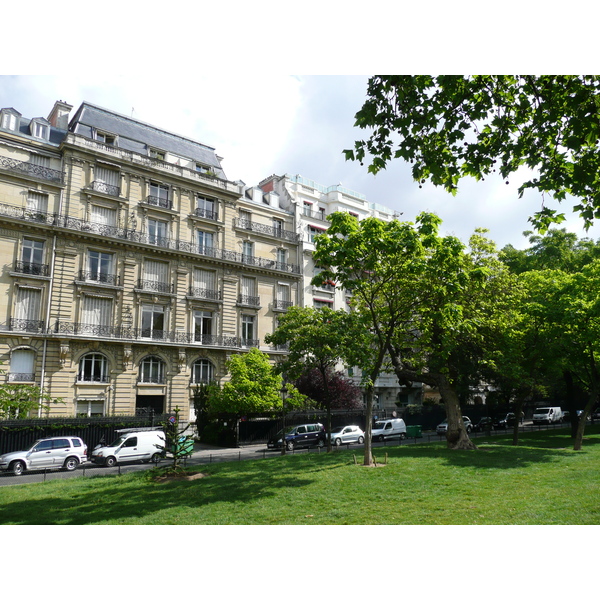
{"points": [[132, 267]]}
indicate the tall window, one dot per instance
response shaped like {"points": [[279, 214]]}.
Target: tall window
{"points": [[278, 227], [107, 180], [203, 371], [9, 121], [248, 249], [96, 315], [283, 296], [205, 241], [93, 367], [153, 321], [22, 365], [281, 257], [206, 207], [158, 232], [159, 195], [246, 219], [152, 370], [100, 267], [156, 276], [307, 209], [248, 293], [248, 330], [103, 216], [32, 256], [27, 309], [205, 284], [37, 202], [203, 326]]}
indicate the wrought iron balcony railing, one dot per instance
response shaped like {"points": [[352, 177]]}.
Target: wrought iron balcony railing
{"points": [[29, 325], [207, 214], [131, 235], [247, 343], [249, 300], [100, 277], [106, 188], [160, 379], [277, 232], [21, 377], [134, 333], [29, 268], [204, 293], [282, 304], [27, 168], [160, 202], [156, 286], [82, 378]]}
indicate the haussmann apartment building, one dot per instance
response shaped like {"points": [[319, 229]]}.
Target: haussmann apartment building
{"points": [[131, 267]]}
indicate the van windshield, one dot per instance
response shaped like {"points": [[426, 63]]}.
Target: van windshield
{"points": [[542, 411], [117, 442]]}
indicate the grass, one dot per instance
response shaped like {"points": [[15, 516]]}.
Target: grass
{"points": [[542, 481]]}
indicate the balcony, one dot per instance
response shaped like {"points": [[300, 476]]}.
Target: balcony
{"points": [[160, 202], [204, 293], [91, 276], [276, 232], [21, 377], [29, 268], [92, 379], [106, 188], [206, 214], [249, 300], [158, 379], [143, 334], [161, 287], [282, 304], [28, 325], [31, 170], [136, 237]]}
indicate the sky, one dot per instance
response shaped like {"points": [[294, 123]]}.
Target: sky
{"points": [[283, 123]]}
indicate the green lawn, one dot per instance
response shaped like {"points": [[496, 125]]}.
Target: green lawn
{"points": [[542, 481]]}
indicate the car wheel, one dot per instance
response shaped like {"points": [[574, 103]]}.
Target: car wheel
{"points": [[289, 446], [71, 463], [469, 429], [380, 438], [321, 443], [110, 461], [18, 467], [338, 442], [402, 436], [156, 458], [361, 440]]}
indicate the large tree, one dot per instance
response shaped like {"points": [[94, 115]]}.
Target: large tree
{"points": [[449, 127]]}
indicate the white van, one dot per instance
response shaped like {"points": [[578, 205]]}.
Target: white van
{"points": [[132, 445], [388, 428], [548, 414]]}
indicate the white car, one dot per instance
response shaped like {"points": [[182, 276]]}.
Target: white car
{"points": [[442, 428], [66, 452], [347, 435]]}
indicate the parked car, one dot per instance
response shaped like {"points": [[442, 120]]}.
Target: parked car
{"points": [[296, 436], [131, 446], [347, 435], [548, 414], [442, 428], [504, 420], [64, 452], [387, 429], [483, 424]]}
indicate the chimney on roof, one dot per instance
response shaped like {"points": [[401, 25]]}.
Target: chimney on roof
{"points": [[59, 117]]}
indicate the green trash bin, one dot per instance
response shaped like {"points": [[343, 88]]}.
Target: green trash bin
{"points": [[185, 445], [414, 431]]}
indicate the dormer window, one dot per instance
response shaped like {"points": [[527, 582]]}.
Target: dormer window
{"points": [[106, 138], [40, 128], [10, 119], [157, 154]]}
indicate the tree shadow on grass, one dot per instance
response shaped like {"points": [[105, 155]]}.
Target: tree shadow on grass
{"points": [[128, 498]]}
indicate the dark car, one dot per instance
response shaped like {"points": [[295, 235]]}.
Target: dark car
{"points": [[483, 424], [297, 436], [504, 420]]}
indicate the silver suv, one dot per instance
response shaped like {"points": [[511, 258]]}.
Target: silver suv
{"points": [[65, 452]]}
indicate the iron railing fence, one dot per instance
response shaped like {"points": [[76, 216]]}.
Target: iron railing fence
{"points": [[32, 170], [105, 188], [197, 292], [270, 230], [131, 235], [207, 214], [31, 268], [97, 277]]}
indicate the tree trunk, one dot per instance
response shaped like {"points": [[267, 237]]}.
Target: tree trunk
{"points": [[518, 411], [456, 436], [582, 420], [368, 460]]}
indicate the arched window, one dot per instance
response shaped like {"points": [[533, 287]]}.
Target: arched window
{"points": [[93, 367], [22, 363], [203, 371], [152, 370]]}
